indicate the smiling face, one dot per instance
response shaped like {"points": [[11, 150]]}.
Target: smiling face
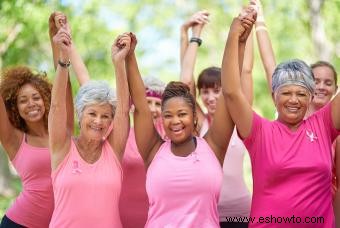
{"points": [[96, 120], [155, 105], [292, 102], [209, 96], [178, 120], [325, 86], [30, 104]]}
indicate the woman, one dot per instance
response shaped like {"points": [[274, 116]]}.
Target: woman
{"points": [[86, 171], [24, 90], [288, 180], [235, 198], [133, 187], [24, 106], [325, 88], [180, 187]]}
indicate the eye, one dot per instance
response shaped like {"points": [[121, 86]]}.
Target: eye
{"points": [[36, 98], [22, 101], [182, 114], [217, 90], [302, 94], [158, 104], [92, 114], [167, 116]]}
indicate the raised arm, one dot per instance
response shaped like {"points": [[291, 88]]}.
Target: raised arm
{"points": [[196, 22], [264, 44], [56, 21], [189, 54], [59, 134], [121, 120], [10, 137], [147, 138], [237, 104], [247, 69]]}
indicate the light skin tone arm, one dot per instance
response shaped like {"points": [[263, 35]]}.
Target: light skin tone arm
{"points": [[237, 103], [336, 202], [10, 137], [56, 21], [265, 45], [189, 55], [147, 138], [121, 120], [247, 69], [59, 134]]}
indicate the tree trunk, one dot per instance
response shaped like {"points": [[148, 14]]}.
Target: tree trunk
{"points": [[323, 47]]}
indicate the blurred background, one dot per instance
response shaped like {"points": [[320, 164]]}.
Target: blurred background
{"points": [[305, 29]]}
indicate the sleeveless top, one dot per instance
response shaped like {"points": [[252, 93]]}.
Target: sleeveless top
{"points": [[133, 204], [235, 198], [184, 191], [87, 195], [34, 206]]}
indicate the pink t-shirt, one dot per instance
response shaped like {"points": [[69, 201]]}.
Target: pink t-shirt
{"points": [[184, 191], [292, 171], [87, 195], [34, 206], [133, 204]]}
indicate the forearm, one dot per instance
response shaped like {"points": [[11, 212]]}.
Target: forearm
{"points": [[136, 85], [188, 66], [121, 119], [266, 51], [79, 67], [230, 66], [58, 113], [184, 42], [247, 68]]}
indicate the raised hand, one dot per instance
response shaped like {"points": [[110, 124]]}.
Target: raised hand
{"points": [[63, 41], [134, 42], [247, 17], [198, 18], [120, 48]]}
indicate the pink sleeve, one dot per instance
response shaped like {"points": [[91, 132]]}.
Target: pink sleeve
{"points": [[255, 133], [326, 114]]}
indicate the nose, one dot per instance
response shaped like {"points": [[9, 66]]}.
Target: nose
{"points": [[31, 102], [293, 98], [320, 86], [211, 96], [152, 107]]}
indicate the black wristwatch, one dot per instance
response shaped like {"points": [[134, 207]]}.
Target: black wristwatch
{"points": [[196, 40], [65, 65]]}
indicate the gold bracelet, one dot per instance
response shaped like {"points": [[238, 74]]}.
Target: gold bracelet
{"points": [[261, 27]]}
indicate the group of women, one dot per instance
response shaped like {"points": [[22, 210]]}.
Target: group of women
{"points": [[177, 167]]}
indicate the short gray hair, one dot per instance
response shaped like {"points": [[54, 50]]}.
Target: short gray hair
{"points": [[293, 72], [154, 84], [94, 93]]}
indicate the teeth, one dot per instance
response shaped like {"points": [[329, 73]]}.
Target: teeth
{"points": [[292, 109], [32, 113]]}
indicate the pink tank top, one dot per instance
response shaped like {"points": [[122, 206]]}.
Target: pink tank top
{"points": [[87, 195], [184, 191], [133, 204], [34, 206]]}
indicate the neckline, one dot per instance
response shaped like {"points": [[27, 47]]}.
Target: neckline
{"points": [[189, 155], [82, 159]]}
